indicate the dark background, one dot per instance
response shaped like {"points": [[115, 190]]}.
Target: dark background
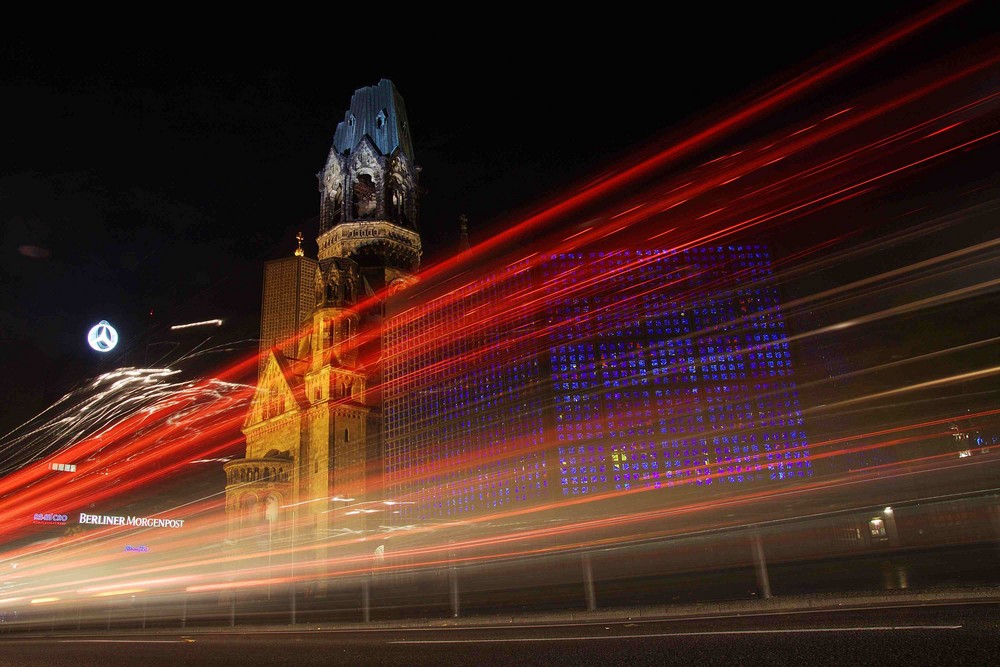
{"points": [[146, 173]]}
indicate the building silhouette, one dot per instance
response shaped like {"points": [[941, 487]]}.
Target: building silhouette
{"points": [[287, 303], [597, 373]]}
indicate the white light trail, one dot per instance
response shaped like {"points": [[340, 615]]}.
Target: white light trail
{"points": [[206, 323]]}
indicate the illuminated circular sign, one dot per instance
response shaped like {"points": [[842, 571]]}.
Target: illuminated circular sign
{"points": [[102, 337]]}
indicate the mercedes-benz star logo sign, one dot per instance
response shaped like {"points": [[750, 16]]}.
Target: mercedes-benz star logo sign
{"points": [[102, 337]]}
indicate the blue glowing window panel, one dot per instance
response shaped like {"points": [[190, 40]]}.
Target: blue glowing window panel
{"points": [[630, 369], [688, 369]]}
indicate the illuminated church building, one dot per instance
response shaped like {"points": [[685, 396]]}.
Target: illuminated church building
{"points": [[313, 430], [637, 368]]}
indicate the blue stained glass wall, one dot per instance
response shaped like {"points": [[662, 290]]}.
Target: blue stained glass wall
{"points": [[590, 373], [673, 369]]}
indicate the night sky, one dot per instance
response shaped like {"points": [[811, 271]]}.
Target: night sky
{"points": [[145, 181]]}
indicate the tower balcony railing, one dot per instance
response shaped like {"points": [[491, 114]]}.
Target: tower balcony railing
{"points": [[268, 471]]}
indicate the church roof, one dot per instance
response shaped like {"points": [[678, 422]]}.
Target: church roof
{"points": [[377, 112], [293, 371]]}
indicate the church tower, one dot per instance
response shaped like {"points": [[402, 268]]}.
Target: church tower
{"points": [[368, 191], [313, 433]]}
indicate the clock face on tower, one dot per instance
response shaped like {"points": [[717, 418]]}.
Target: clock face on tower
{"points": [[397, 285]]}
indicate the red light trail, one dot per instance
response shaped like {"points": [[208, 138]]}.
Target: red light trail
{"points": [[141, 427]]}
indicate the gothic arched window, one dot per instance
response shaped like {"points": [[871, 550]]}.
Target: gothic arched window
{"points": [[328, 331], [249, 515], [396, 201], [336, 206], [271, 509], [364, 196]]}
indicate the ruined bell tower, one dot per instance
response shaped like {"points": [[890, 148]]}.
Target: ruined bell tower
{"points": [[368, 191]]}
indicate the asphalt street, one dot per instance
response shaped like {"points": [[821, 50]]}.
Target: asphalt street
{"points": [[937, 634]]}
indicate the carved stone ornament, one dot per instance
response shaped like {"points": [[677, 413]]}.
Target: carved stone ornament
{"points": [[400, 167], [333, 176], [366, 158], [349, 238]]}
